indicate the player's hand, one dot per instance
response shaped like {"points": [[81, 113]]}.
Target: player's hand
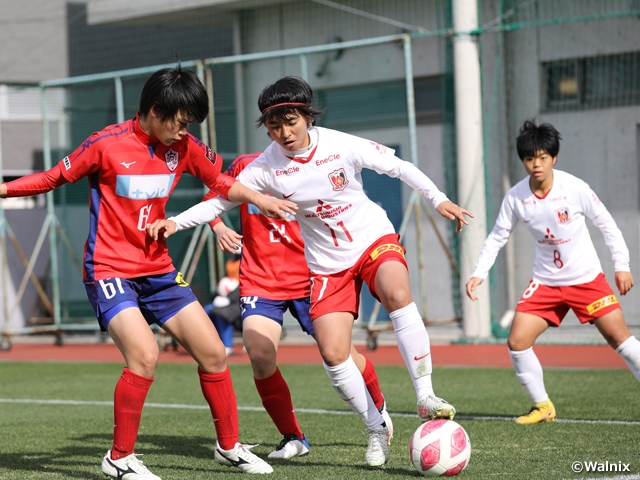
{"points": [[228, 239], [471, 286], [624, 282], [453, 212], [166, 228], [275, 208], [3, 190]]}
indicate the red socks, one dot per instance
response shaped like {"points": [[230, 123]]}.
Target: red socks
{"points": [[218, 391], [276, 400], [371, 380], [128, 400]]}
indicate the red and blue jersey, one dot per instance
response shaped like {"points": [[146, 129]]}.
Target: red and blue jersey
{"points": [[131, 176], [273, 264]]}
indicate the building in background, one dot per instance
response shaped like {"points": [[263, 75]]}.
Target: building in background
{"points": [[574, 63]]}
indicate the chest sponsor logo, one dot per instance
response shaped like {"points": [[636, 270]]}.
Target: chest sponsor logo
{"points": [[171, 158], [67, 163], [386, 248], [601, 303], [563, 216], [324, 210], [329, 158], [551, 239], [143, 187], [339, 180]]}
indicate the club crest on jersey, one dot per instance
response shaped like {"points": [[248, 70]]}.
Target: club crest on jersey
{"points": [[563, 216], [171, 158], [339, 179]]}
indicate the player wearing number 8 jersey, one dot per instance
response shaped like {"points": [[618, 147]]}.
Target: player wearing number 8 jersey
{"points": [[567, 274], [133, 167], [348, 240]]}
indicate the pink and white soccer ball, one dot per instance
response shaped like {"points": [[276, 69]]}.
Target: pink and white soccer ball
{"points": [[440, 447]]}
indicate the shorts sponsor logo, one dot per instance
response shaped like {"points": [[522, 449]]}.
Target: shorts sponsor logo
{"points": [[180, 280], [339, 179], [143, 187], [563, 216], [387, 247], [602, 303], [171, 158], [67, 163]]}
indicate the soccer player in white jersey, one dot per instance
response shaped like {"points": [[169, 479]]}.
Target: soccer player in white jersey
{"points": [[566, 274], [348, 240]]}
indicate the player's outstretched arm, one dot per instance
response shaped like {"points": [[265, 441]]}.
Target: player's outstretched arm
{"points": [[269, 206], [471, 286], [229, 240], [452, 211], [164, 228], [624, 282]]}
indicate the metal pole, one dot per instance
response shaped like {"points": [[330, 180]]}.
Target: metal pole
{"points": [[304, 67], [53, 245], [3, 248], [471, 174], [119, 100], [413, 153]]}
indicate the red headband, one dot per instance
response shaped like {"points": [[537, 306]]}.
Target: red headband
{"points": [[282, 105]]}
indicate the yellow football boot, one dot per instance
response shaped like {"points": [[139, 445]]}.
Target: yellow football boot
{"points": [[541, 412]]}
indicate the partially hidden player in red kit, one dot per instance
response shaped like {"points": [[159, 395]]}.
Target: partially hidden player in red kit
{"points": [[274, 278], [130, 280]]}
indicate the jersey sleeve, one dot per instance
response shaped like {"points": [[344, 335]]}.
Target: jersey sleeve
{"points": [[382, 160], [84, 160], [206, 165], [203, 212], [505, 224], [595, 210], [36, 183]]}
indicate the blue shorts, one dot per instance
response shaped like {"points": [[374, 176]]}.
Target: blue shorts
{"points": [[274, 309], [159, 297]]}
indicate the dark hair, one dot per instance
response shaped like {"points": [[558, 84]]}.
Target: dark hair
{"points": [[533, 139], [173, 90], [287, 90]]}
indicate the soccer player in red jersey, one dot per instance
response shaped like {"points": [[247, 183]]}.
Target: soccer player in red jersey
{"points": [[131, 282], [274, 278]]}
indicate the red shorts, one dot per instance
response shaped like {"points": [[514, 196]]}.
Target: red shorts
{"points": [[340, 292], [588, 300]]}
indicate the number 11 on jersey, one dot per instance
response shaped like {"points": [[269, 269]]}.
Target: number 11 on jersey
{"points": [[333, 233]]}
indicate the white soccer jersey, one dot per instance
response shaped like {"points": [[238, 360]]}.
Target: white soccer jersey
{"points": [[338, 221], [565, 254]]}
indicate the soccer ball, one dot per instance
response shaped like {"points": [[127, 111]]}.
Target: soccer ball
{"points": [[440, 447]]}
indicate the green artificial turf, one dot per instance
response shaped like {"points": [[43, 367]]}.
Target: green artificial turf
{"points": [[66, 440]]}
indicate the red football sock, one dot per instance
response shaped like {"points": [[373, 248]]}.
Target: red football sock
{"points": [[276, 400], [128, 400], [371, 380], [218, 391]]}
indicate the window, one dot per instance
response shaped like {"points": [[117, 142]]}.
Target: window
{"points": [[594, 82], [378, 105]]}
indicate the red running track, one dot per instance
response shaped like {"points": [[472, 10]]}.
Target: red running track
{"points": [[561, 356]]}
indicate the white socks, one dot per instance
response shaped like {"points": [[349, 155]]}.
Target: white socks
{"points": [[529, 372], [348, 383], [413, 343], [629, 350]]}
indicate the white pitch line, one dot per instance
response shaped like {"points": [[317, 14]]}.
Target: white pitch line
{"points": [[181, 406]]}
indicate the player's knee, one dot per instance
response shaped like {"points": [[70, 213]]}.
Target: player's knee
{"points": [[334, 356], [396, 299], [144, 362]]}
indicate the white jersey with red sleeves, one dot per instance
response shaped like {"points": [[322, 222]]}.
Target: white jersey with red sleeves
{"points": [[565, 254], [273, 264], [131, 176], [338, 221]]}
